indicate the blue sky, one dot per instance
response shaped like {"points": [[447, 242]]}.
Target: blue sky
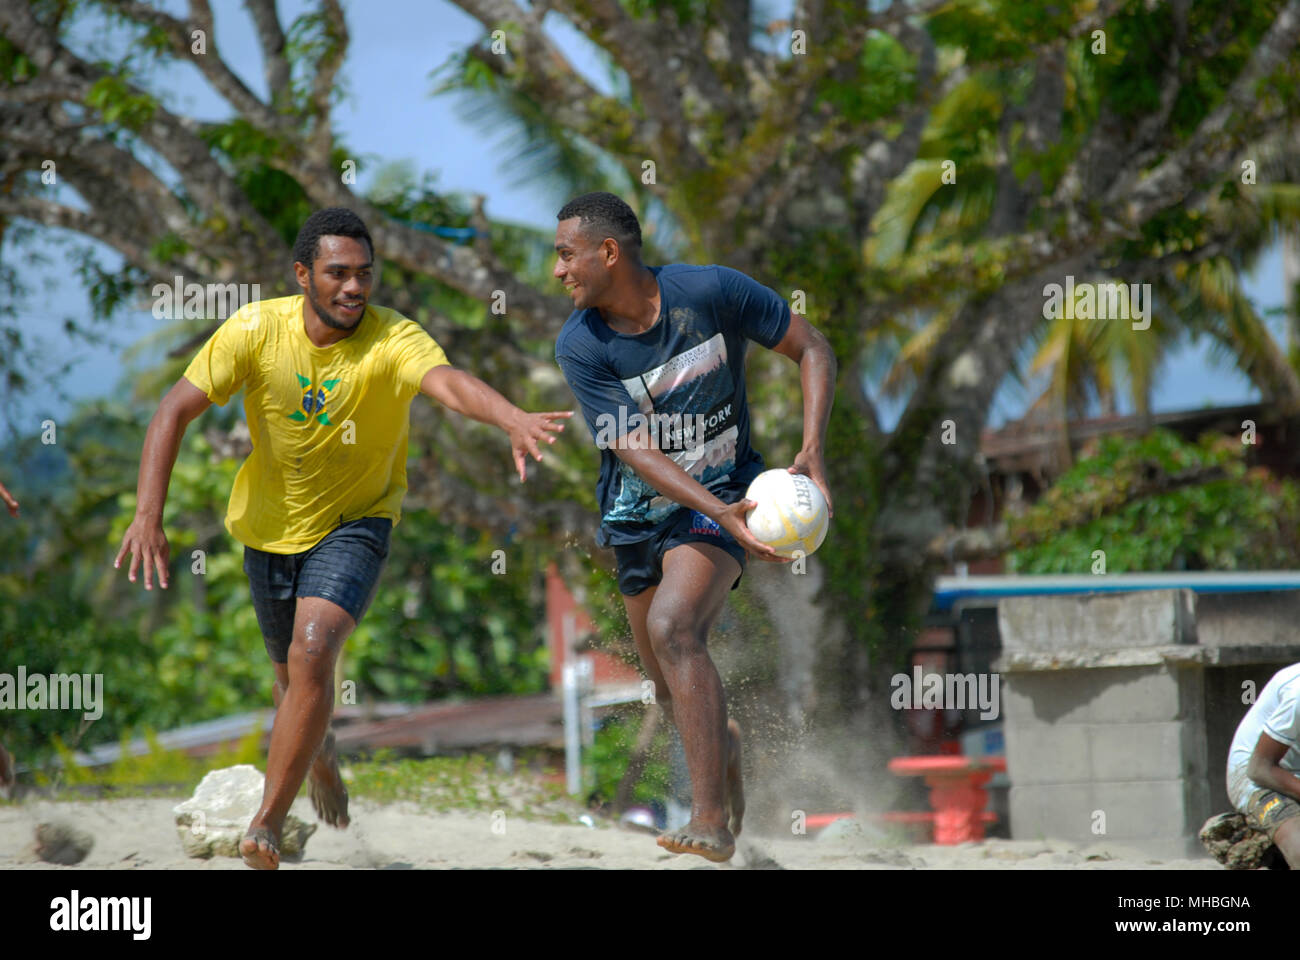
{"points": [[389, 113]]}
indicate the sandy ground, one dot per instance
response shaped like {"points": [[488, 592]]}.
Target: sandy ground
{"points": [[140, 833]]}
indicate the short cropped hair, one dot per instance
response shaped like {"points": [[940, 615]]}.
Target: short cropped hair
{"points": [[329, 222], [605, 215]]}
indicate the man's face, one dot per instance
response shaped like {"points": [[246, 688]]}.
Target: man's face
{"points": [[583, 264], [338, 284]]}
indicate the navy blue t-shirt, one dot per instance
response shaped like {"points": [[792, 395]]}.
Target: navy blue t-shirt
{"points": [[684, 379]]}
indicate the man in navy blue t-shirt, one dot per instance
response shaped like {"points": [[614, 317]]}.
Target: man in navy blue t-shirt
{"points": [[656, 358]]}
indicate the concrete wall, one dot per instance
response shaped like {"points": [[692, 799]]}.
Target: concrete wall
{"points": [[1118, 714]]}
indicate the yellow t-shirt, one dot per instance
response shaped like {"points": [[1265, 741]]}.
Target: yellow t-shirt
{"points": [[329, 424]]}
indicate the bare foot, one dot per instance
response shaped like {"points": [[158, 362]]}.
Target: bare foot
{"points": [[735, 788], [711, 843], [260, 849], [329, 797]]}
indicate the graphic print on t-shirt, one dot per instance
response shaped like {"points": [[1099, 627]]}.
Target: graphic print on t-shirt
{"points": [[690, 404], [314, 400]]}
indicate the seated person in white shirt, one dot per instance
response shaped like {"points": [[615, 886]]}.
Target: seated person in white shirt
{"points": [[1264, 760]]}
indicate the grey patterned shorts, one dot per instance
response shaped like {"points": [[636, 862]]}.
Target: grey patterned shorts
{"points": [[343, 568]]}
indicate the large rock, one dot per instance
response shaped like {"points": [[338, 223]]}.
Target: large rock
{"points": [[1238, 846], [213, 821], [60, 842]]}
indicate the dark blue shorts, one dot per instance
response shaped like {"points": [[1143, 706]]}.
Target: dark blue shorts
{"points": [[343, 569], [640, 565]]}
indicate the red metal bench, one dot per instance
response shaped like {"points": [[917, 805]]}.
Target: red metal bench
{"points": [[957, 792], [908, 818]]}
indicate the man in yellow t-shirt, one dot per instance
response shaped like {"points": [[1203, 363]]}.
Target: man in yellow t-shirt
{"points": [[328, 381]]}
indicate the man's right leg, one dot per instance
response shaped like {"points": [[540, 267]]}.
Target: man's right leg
{"points": [[1287, 839], [320, 630], [1277, 816]]}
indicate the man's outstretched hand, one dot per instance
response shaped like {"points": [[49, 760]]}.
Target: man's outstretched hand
{"points": [[527, 430], [146, 542], [10, 503], [813, 466]]}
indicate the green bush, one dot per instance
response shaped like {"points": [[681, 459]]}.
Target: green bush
{"points": [[1246, 519]]}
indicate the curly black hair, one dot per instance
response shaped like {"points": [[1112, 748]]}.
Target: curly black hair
{"points": [[329, 222], [605, 215]]}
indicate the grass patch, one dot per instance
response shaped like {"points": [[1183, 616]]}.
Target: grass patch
{"points": [[471, 783], [159, 772], [468, 783]]}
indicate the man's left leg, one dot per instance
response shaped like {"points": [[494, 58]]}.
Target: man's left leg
{"points": [[301, 721], [696, 580], [325, 788]]}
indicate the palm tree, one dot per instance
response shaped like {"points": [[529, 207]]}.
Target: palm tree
{"points": [[1087, 361]]}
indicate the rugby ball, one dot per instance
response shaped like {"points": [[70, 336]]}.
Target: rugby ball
{"points": [[791, 515]]}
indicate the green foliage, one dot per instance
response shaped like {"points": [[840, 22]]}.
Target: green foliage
{"points": [[443, 623], [988, 30], [611, 751], [685, 11], [239, 139], [158, 767], [426, 634], [821, 263], [457, 783], [1246, 521], [167, 247], [15, 66], [885, 78], [311, 38], [53, 563], [118, 105]]}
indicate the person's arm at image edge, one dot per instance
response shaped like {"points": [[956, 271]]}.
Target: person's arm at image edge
{"points": [[10, 503], [144, 538], [1266, 770]]}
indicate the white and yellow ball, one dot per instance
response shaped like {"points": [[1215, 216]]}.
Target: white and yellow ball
{"points": [[791, 515]]}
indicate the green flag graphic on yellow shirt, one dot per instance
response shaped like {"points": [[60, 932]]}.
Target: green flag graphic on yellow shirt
{"points": [[313, 400]]}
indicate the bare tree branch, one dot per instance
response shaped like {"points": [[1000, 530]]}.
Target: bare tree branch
{"points": [[322, 86], [651, 56], [460, 268], [1218, 137], [271, 37], [214, 69], [175, 139]]}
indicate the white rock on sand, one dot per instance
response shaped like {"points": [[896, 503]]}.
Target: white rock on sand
{"points": [[214, 820], [141, 833]]}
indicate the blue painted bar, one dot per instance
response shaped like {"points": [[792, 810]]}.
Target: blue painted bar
{"points": [[950, 590]]}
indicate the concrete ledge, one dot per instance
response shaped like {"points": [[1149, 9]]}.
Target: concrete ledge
{"points": [[1030, 661], [1086, 624], [1168, 655], [1268, 619]]}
